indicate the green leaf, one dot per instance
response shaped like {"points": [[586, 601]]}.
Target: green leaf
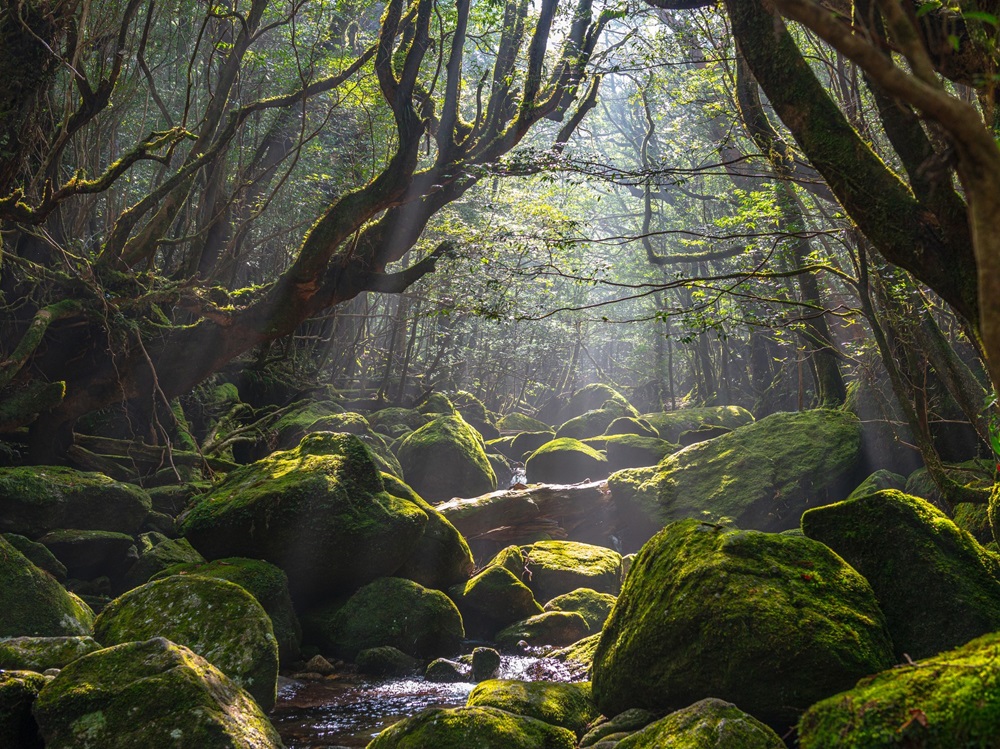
{"points": [[927, 7], [981, 15]]}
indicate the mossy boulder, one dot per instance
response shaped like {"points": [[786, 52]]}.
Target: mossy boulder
{"points": [[444, 671], [589, 424], [464, 727], [631, 425], [173, 498], [526, 443], [90, 554], [42, 653], [762, 476], [558, 567], [670, 424], [386, 661], [950, 700], [556, 628], [635, 451], [39, 499], [518, 422], [319, 511], [159, 556], [558, 704], [485, 663], [876, 482], [491, 600], [593, 397], [33, 603], [577, 657], [385, 419], [707, 724], [295, 422], [215, 618], [594, 607], [608, 732], [770, 622], [936, 585], [149, 694], [446, 458], [266, 583], [436, 404], [37, 554], [565, 461], [392, 611], [18, 691]]}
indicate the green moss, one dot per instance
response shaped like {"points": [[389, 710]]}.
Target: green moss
{"points": [[149, 694], [975, 473], [594, 607], [42, 653], [386, 661], [217, 619], [528, 442], [707, 724], [492, 599], [770, 622], [876, 482], [18, 690], [557, 628], [631, 425], [593, 397], [565, 461], [167, 553], [565, 705], [636, 451], [389, 611], [974, 519], [516, 422], [487, 727], [388, 418], [437, 403], [616, 728], [950, 700], [589, 424], [446, 458], [37, 554], [558, 567], [471, 408], [902, 544], [670, 424], [578, 657], [295, 423]]}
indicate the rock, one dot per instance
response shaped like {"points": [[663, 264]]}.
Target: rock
{"points": [[173, 498], [622, 724], [491, 728], [266, 583], [159, 522], [876, 482], [89, 554], [446, 458], [526, 443], [42, 653], [549, 628], [593, 397], [158, 557], [295, 422], [149, 694], [215, 618], [565, 461], [39, 499], [631, 425], [437, 404], [485, 664], [578, 657], [936, 585], [516, 422], [493, 599], [319, 665], [670, 424], [444, 671], [386, 418], [635, 451], [769, 622], [18, 691], [701, 434], [389, 611], [707, 724], [594, 607], [558, 704], [762, 476], [386, 661], [950, 700], [590, 424], [558, 567], [37, 554], [318, 511], [33, 603]]}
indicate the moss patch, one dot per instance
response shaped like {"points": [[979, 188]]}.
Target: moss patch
{"points": [[579, 656], [517, 422], [707, 724], [876, 482], [670, 424], [592, 397], [594, 607], [463, 727], [558, 567], [565, 461], [446, 458], [565, 705], [37, 554], [589, 424], [42, 653]]}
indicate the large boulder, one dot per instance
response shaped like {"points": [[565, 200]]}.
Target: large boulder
{"points": [[159, 553], [594, 607], [517, 422], [149, 694], [33, 603], [42, 653], [565, 461], [553, 568], [762, 476], [389, 611], [635, 451], [707, 724], [319, 511], [90, 554], [590, 424], [936, 585], [37, 554], [769, 622], [593, 397], [553, 628], [446, 458], [217, 619], [386, 419], [559, 704], [481, 727], [18, 690], [526, 443], [878, 481], [39, 499], [670, 424], [491, 600], [950, 700]]}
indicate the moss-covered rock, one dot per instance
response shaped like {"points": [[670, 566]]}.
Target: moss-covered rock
{"points": [[215, 618], [950, 700], [386, 661], [39, 499], [762, 476], [558, 704], [159, 556], [612, 730], [385, 419], [173, 498], [266, 583], [526, 443], [319, 511], [589, 424], [89, 554], [474, 411], [670, 424], [974, 519], [876, 482], [977, 474], [565, 461], [437, 404], [37, 554], [485, 663], [463, 727], [517, 422], [33, 603], [631, 425], [594, 607], [149, 694], [770, 622], [389, 611], [295, 422], [446, 458], [18, 690], [556, 628], [635, 451], [493, 599], [936, 585], [558, 567], [578, 657], [593, 397], [42, 653], [707, 724], [444, 671]]}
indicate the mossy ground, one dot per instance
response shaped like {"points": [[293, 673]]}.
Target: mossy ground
{"points": [[556, 703]]}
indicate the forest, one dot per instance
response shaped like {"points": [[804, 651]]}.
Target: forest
{"points": [[499, 374]]}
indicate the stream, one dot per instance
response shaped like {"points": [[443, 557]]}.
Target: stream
{"points": [[348, 710]]}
